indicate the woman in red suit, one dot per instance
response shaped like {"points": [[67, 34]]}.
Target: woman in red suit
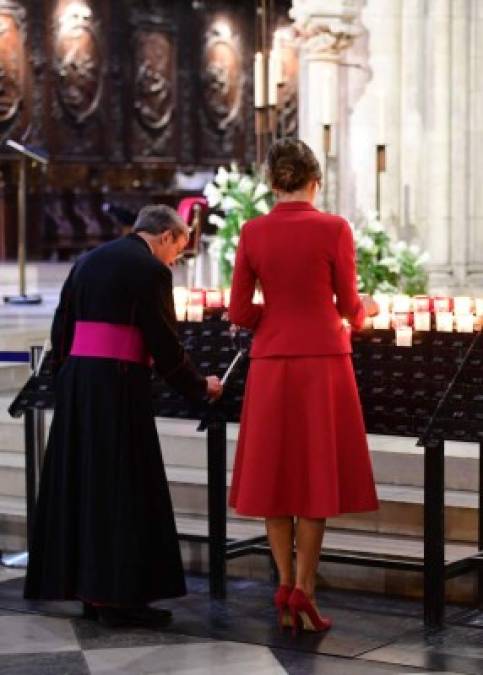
{"points": [[302, 453]]}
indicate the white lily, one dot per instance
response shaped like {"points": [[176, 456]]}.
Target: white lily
{"points": [[217, 220], [262, 206], [222, 176], [260, 191], [212, 194], [245, 185]]}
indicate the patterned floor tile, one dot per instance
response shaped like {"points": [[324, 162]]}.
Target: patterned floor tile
{"points": [[29, 634]]}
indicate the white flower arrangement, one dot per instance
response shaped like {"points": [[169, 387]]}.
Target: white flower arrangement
{"points": [[237, 198], [385, 266]]}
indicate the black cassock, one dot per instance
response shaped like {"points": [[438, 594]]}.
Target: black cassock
{"points": [[104, 527]]}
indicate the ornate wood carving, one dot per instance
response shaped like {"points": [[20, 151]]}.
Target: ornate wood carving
{"points": [[152, 92], [76, 104], [221, 74], [13, 66], [78, 59], [226, 118]]}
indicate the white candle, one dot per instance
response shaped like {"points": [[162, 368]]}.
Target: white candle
{"points": [[404, 336], [422, 321], [441, 304], [465, 323], [180, 294], [401, 303], [195, 312], [421, 303], [180, 309], [226, 295], [479, 306], [400, 319], [259, 81], [381, 321], [273, 69], [384, 302], [381, 118], [462, 305], [444, 322], [368, 322], [329, 99]]}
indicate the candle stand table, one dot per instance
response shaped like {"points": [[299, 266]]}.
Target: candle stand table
{"points": [[432, 390]]}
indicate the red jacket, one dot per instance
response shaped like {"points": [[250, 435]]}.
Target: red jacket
{"points": [[302, 259]]}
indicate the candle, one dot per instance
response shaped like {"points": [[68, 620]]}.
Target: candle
{"points": [[421, 303], [226, 295], [258, 297], [197, 296], [400, 319], [180, 309], [381, 118], [442, 304], [479, 306], [404, 336], [180, 294], [195, 312], [384, 303], [465, 323], [214, 297], [444, 322], [259, 81], [381, 321], [273, 69], [329, 99], [422, 321], [462, 305], [401, 303], [368, 322]]}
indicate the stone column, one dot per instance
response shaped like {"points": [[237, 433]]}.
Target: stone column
{"points": [[326, 28], [437, 147], [473, 171]]}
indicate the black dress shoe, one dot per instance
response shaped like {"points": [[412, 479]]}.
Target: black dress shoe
{"points": [[89, 611], [143, 617]]}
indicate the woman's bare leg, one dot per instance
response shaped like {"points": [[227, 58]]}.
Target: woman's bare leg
{"points": [[309, 535], [280, 532]]}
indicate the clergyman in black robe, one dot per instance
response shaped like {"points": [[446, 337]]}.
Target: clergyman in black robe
{"points": [[104, 529]]}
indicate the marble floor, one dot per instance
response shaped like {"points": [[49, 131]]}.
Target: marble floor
{"points": [[372, 635]]}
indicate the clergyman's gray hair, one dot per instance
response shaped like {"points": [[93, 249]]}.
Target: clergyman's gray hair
{"points": [[159, 218]]}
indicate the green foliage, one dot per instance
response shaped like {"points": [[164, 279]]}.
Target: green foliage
{"points": [[385, 266]]}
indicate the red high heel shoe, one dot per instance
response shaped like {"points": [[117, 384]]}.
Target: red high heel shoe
{"points": [[304, 615], [280, 600]]}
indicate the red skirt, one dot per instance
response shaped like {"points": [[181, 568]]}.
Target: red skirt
{"points": [[302, 448]]}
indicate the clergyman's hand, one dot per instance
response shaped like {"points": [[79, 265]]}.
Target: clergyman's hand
{"points": [[214, 388]]}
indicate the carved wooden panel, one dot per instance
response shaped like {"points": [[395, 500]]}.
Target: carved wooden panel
{"points": [[15, 76], [76, 97], [152, 90], [224, 83]]}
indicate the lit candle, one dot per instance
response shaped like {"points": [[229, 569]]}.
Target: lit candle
{"points": [[195, 312], [258, 297], [465, 323], [422, 321], [368, 322], [444, 322], [421, 303], [404, 336], [214, 297], [383, 302], [442, 304], [180, 309], [479, 306], [381, 321], [462, 305], [259, 81], [273, 70], [401, 303], [197, 296], [181, 294], [400, 319], [226, 295]]}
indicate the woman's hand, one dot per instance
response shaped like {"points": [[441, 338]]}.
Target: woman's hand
{"points": [[370, 305]]}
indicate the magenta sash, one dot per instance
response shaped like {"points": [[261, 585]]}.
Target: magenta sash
{"points": [[109, 341]]}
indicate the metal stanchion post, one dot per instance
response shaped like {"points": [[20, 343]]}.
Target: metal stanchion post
{"points": [[217, 506], [434, 567]]}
